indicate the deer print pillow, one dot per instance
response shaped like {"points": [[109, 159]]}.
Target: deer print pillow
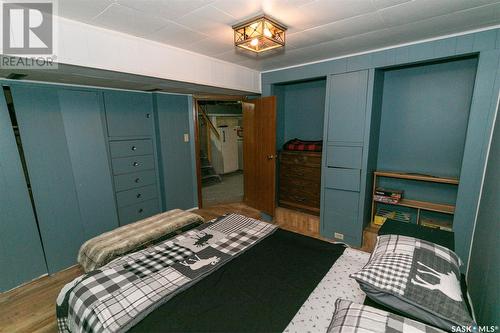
{"points": [[418, 278]]}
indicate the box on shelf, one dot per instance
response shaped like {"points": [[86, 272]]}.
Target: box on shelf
{"points": [[387, 195]]}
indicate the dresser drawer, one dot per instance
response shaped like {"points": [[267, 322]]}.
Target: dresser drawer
{"points": [[308, 196], [344, 157], [302, 172], [136, 195], [130, 148], [135, 179], [300, 158], [138, 211], [312, 186], [343, 179], [132, 164]]}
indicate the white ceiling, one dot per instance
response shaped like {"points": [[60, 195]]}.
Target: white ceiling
{"points": [[318, 29]]}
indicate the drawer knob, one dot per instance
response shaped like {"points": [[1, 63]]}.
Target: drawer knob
{"points": [[148, 115], [136, 164], [138, 195], [140, 210], [134, 148], [137, 180]]}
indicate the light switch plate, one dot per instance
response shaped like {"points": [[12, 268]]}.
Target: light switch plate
{"points": [[338, 235], [186, 137]]}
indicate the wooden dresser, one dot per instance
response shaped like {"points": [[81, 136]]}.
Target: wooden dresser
{"points": [[300, 181]]}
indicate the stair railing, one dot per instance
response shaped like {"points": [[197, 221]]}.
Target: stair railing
{"points": [[211, 126]]}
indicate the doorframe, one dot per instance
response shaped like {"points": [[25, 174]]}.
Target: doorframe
{"points": [[201, 98]]}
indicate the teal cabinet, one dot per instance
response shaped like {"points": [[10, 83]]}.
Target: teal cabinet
{"points": [[347, 106], [131, 135], [345, 156], [128, 113], [21, 253]]}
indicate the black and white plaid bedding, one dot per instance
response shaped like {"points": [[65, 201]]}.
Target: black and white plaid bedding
{"points": [[353, 318], [116, 296]]}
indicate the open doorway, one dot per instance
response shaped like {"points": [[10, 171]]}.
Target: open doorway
{"points": [[220, 138]]}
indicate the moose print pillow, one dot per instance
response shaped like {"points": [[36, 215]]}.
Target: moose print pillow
{"points": [[418, 278]]}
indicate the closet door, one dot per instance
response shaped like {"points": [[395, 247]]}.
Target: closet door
{"points": [[341, 217], [128, 113], [85, 135], [49, 165], [346, 119], [178, 182], [21, 253]]}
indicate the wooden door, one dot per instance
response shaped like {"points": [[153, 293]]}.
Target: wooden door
{"points": [[259, 153]]}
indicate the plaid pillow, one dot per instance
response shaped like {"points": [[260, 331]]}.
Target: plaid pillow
{"points": [[417, 278], [350, 318]]}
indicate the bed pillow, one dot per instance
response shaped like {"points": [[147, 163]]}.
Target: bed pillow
{"points": [[352, 318], [417, 278]]}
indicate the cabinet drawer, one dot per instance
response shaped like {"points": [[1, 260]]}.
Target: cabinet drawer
{"points": [[300, 158], [135, 179], [138, 211], [131, 164], [343, 179], [344, 157], [136, 195], [305, 184], [301, 195], [130, 148], [129, 113], [302, 172]]}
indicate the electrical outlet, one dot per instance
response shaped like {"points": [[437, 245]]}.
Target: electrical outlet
{"points": [[338, 235], [186, 137]]}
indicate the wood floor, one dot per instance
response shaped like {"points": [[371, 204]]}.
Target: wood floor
{"points": [[31, 307]]}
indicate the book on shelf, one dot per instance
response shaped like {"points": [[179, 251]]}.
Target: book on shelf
{"points": [[387, 195], [436, 224], [383, 214]]}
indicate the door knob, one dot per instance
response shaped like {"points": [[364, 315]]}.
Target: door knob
{"points": [[270, 157]]}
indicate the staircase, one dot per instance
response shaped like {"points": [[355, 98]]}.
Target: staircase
{"points": [[208, 174]]}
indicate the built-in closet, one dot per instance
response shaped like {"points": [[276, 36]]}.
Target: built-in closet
{"points": [[300, 112], [77, 162], [424, 109]]}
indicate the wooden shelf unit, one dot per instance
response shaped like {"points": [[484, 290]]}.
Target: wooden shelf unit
{"points": [[417, 204]]}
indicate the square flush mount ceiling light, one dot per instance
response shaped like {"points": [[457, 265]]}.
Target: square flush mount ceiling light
{"points": [[259, 34]]}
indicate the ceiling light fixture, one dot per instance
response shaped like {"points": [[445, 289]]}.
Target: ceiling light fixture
{"points": [[259, 34]]}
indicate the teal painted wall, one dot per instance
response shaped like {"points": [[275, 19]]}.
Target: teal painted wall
{"points": [[302, 111], [425, 113], [486, 45], [484, 265]]}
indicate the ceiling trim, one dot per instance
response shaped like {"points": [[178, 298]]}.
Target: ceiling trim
{"points": [[385, 48]]}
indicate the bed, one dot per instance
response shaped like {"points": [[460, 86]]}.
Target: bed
{"points": [[261, 288], [277, 282]]}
